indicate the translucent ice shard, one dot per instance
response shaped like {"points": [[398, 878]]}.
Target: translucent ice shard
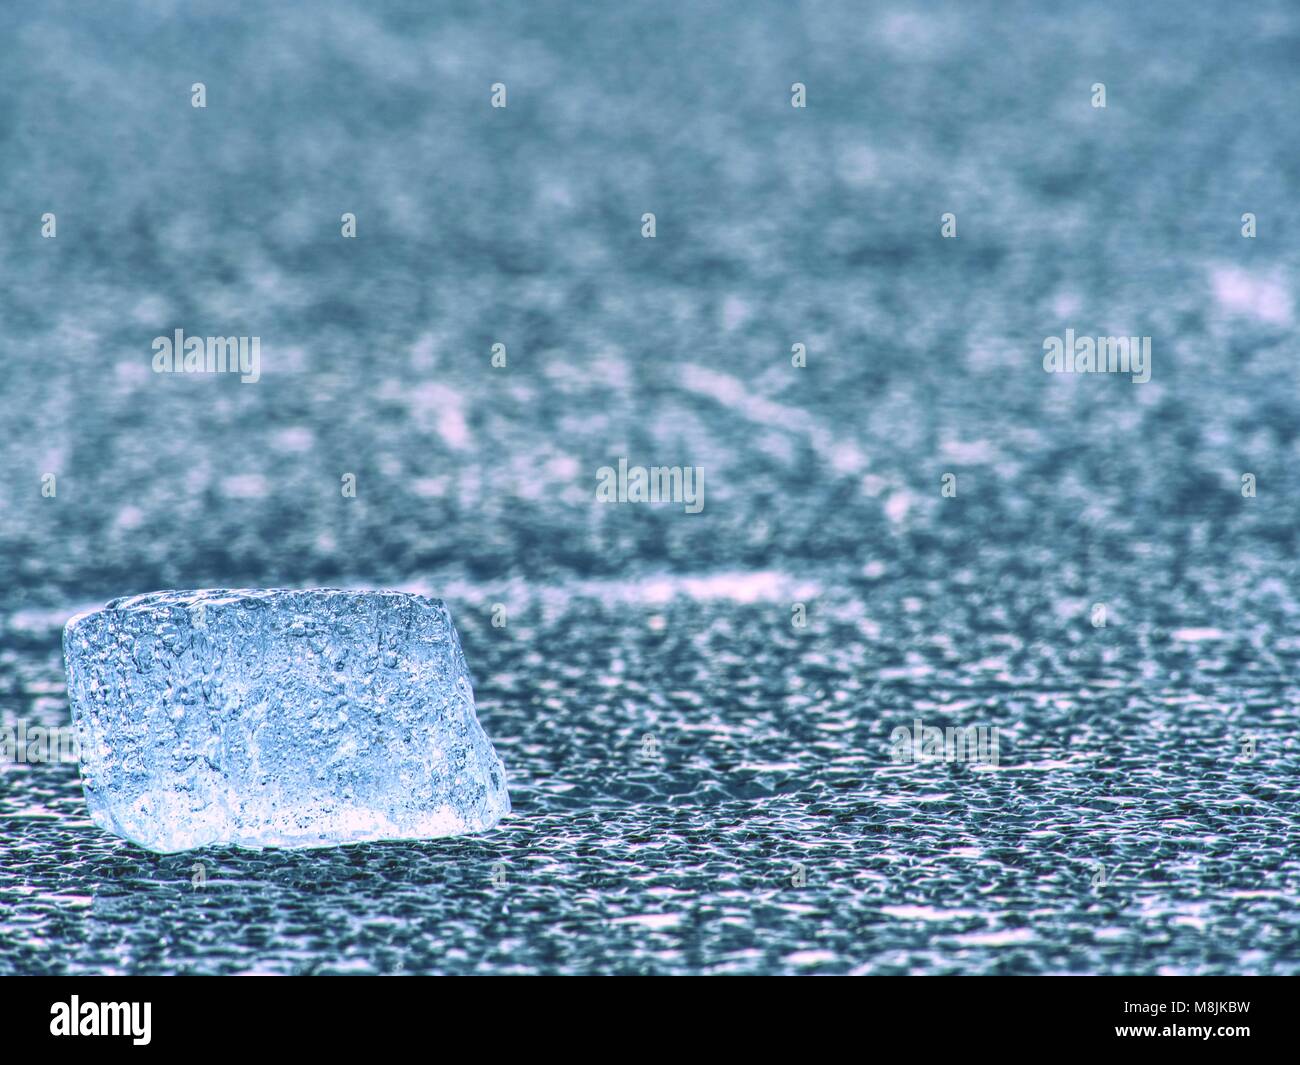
{"points": [[278, 719]]}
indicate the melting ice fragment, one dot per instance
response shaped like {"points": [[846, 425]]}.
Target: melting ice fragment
{"points": [[278, 719]]}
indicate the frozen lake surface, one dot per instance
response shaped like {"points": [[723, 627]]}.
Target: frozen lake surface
{"points": [[698, 784]]}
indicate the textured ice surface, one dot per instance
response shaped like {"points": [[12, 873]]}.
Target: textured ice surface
{"points": [[278, 718], [1119, 744]]}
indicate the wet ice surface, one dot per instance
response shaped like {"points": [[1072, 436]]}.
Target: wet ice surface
{"points": [[1119, 750], [1121, 747]]}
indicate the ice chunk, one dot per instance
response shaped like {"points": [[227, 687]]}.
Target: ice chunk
{"points": [[278, 719]]}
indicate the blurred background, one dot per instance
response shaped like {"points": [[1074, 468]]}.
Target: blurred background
{"points": [[767, 758]]}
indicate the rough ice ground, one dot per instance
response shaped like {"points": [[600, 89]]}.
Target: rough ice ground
{"points": [[775, 226], [278, 718]]}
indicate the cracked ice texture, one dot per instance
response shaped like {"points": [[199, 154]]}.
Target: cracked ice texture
{"points": [[278, 719]]}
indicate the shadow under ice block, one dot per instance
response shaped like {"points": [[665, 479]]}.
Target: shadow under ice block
{"points": [[278, 719]]}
